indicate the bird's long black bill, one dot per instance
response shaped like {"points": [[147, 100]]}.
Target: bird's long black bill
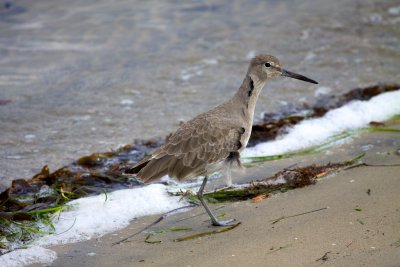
{"points": [[297, 76]]}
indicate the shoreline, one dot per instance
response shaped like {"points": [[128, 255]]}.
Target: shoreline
{"points": [[358, 228]]}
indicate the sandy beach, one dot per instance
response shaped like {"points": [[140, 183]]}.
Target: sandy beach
{"points": [[358, 224]]}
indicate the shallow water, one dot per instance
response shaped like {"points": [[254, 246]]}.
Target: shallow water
{"points": [[86, 76]]}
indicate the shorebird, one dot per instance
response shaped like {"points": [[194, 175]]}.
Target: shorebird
{"points": [[214, 139]]}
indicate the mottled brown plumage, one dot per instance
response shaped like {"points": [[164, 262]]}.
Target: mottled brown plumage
{"points": [[215, 138]]}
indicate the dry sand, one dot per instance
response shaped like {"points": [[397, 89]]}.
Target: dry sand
{"points": [[360, 227]]}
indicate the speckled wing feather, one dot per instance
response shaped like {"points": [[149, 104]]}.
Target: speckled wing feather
{"points": [[196, 146]]}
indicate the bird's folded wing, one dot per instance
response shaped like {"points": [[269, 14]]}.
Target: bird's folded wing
{"points": [[191, 150], [208, 143]]}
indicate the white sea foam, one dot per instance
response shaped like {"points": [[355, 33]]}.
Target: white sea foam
{"points": [[311, 132], [31, 255], [95, 216]]}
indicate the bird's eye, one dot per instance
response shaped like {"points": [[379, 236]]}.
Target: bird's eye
{"points": [[267, 64]]}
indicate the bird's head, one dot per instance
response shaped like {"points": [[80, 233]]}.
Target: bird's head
{"points": [[267, 66]]}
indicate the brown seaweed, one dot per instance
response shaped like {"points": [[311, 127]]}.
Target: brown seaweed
{"points": [[282, 181], [88, 175]]}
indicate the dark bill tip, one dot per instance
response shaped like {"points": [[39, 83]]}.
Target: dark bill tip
{"points": [[297, 76]]}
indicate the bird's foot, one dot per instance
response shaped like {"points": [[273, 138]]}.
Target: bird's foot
{"points": [[224, 223]]}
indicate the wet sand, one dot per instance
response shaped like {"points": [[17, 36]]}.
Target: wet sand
{"points": [[359, 227]]}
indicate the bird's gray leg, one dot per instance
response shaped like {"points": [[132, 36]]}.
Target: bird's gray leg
{"points": [[213, 219], [228, 174]]}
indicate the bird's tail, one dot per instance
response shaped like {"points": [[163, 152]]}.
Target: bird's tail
{"points": [[150, 169], [138, 167]]}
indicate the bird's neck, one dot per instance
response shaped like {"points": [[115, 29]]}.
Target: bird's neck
{"points": [[247, 95]]}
